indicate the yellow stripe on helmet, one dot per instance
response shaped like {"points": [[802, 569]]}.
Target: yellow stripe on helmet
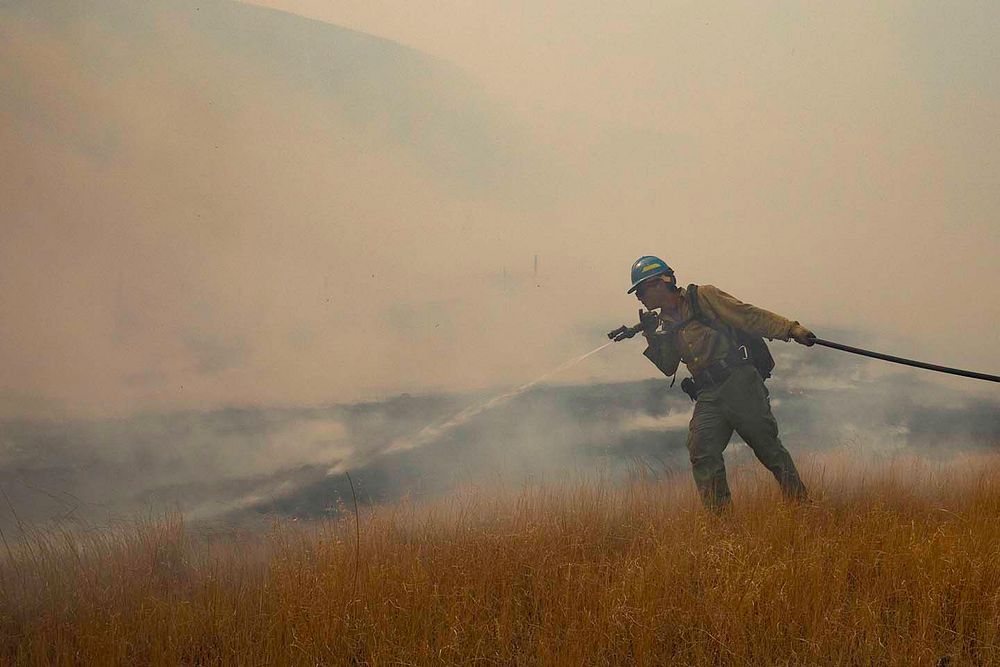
{"points": [[650, 267]]}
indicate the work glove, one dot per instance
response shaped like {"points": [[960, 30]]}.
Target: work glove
{"points": [[802, 335], [650, 321]]}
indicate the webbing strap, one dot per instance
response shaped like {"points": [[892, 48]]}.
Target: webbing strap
{"points": [[697, 314], [692, 294]]}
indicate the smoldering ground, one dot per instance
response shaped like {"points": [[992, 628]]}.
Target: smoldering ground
{"points": [[247, 464]]}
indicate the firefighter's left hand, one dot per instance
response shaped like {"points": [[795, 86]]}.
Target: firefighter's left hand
{"points": [[802, 335]]}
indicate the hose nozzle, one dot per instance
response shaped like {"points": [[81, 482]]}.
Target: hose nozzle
{"points": [[648, 320], [623, 332]]}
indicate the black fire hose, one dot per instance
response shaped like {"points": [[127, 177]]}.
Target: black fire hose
{"points": [[624, 332], [906, 362]]}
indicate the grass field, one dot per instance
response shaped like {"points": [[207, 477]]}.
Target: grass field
{"points": [[895, 564]]}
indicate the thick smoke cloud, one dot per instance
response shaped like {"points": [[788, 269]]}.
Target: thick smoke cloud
{"points": [[228, 235], [830, 162], [209, 204]]}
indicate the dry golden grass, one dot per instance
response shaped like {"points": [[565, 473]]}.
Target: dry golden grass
{"points": [[899, 565]]}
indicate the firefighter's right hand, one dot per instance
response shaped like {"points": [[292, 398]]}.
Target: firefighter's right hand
{"points": [[650, 321]]}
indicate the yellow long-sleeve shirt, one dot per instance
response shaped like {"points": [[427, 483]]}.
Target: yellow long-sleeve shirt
{"points": [[699, 345]]}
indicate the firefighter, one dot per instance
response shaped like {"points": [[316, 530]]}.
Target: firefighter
{"points": [[713, 337]]}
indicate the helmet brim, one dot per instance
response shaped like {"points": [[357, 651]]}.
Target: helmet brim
{"points": [[644, 280], [650, 278]]}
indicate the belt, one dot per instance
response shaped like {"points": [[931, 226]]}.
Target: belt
{"points": [[718, 372]]}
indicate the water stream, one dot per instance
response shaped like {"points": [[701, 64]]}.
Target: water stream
{"points": [[432, 432]]}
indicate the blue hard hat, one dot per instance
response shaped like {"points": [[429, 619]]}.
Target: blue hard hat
{"points": [[648, 266]]}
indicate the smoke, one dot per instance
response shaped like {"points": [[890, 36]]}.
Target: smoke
{"points": [[247, 464], [198, 214], [208, 204], [832, 163], [228, 234]]}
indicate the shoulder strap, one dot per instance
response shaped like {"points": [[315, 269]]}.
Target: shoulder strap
{"points": [[692, 294], [698, 314]]}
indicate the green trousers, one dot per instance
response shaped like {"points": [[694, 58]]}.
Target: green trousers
{"points": [[741, 403]]}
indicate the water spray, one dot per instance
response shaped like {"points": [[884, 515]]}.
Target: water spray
{"points": [[432, 432]]}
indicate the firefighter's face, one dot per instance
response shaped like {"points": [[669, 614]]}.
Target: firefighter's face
{"points": [[653, 293], [649, 292]]}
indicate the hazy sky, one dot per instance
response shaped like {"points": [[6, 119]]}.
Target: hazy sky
{"points": [[209, 203]]}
